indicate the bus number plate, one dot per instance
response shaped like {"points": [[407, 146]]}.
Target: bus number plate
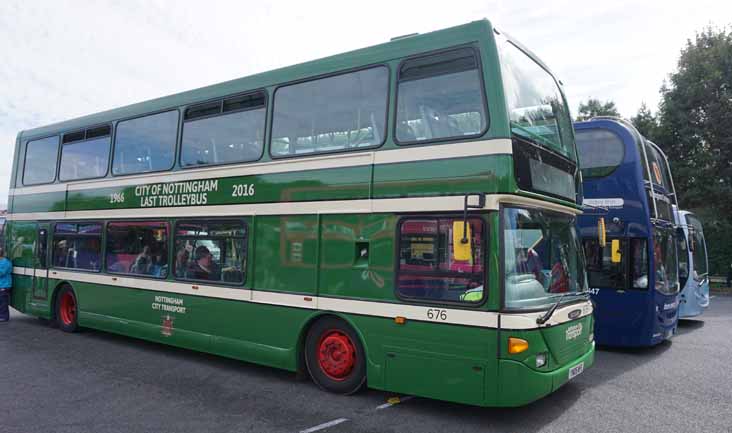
{"points": [[437, 314], [576, 370]]}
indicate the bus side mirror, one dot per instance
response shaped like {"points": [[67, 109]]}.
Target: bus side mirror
{"points": [[615, 253], [462, 251]]}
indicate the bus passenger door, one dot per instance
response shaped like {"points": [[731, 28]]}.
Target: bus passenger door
{"points": [[40, 263]]}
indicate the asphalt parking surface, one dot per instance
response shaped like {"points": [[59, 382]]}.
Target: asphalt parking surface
{"points": [[99, 382]]}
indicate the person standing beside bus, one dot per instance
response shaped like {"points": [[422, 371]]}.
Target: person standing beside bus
{"points": [[6, 282]]}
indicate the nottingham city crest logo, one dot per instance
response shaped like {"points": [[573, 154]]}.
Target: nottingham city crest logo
{"points": [[166, 328]]}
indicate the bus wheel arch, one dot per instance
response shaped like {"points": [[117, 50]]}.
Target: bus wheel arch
{"points": [[333, 354], [65, 307]]}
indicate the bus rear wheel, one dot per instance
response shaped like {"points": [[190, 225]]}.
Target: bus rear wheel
{"points": [[67, 310], [335, 357]]}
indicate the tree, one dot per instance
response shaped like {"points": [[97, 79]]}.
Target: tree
{"points": [[646, 122], [696, 121], [695, 131], [595, 107]]}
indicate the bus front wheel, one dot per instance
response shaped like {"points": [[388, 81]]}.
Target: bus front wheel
{"points": [[335, 357], [67, 310]]}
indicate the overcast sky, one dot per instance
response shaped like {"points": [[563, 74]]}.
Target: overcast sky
{"points": [[63, 59]]}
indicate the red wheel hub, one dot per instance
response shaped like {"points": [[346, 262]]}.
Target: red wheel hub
{"points": [[336, 355], [67, 309]]}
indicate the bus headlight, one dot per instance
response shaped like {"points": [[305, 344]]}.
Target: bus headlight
{"points": [[540, 359]]}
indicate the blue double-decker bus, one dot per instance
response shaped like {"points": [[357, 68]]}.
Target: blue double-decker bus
{"points": [[693, 265], [629, 234]]}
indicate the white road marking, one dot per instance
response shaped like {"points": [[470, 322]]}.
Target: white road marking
{"points": [[390, 402], [325, 425]]}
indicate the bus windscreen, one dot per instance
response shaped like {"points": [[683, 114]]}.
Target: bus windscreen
{"points": [[536, 108]]}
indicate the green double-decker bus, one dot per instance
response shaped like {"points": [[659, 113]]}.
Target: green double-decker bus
{"points": [[401, 216]]}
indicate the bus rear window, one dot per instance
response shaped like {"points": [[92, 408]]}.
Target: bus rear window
{"points": [[430, 269], [440, 96]]}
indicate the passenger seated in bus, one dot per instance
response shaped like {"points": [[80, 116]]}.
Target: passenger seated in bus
{"points": [[639, 265], [143, 262], [204, 267], [529, 262], [181, 262], [158, 268], [60, 254], [661, 272], [559, 280], [87, 256]]}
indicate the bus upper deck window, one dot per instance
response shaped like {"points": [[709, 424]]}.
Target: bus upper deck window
{"points": [[440, 96], [332, 114], [40, 161], [145, 144]]}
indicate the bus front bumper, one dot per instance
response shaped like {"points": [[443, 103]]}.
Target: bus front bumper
{"points": [[520, 385]]}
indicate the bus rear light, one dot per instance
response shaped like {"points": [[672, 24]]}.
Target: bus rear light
{"points": [[517, 345]]}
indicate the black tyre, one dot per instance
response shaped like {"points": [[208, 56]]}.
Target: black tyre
{"points": [[67, 310], [335, 357]]}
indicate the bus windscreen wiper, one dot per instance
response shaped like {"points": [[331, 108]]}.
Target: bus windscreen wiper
{"points": [[543, 319]]}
